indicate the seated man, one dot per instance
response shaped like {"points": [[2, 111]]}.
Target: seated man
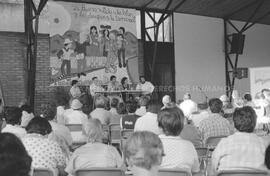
{"points": [[145, 86], [12, 116], [95, 86], [179, 153], [143, 103], [75, 91], [215, 124], [243, 150], [100, 112], [148, 122], [188, 106], [128, 121], [113, 84], [200, 115]]}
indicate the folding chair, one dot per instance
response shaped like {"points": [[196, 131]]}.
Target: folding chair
{"points": [[106, 131], [174, 172], [99, 172], [42, 172], [213, 141], [115, 136], [242, 173], [203, 157], [76, 130]]}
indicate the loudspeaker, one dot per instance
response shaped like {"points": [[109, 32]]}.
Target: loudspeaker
{"points": [[237, 45], [240, 73]]}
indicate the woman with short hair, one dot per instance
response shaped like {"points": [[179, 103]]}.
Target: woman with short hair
{"points": [[179, 153], [94, 153], [14, 159], [143, 152], [44, 152]]}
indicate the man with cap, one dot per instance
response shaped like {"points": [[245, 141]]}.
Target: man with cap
{"points": [[166, 101], [74, 115], [64, 55]]}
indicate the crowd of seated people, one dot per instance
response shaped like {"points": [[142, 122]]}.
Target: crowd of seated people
{"points": [[164, 136]]}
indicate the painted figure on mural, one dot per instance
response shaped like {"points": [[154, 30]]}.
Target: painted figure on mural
{"points": [[112, 54], [93, 49], [121, 47], [65, 56]]}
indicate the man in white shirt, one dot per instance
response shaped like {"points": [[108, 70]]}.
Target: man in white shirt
{"points": [[113, 84], [75, 91], [100, 112], [188, 106], [13, 117], [143, 102], [95, 86], [74, 115], [148, 122], [145, 86]]}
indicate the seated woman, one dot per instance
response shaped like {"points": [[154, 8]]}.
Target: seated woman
{"points": [[143, 152], [14, 159], [179, 153], [44, 152], [94, 153]]}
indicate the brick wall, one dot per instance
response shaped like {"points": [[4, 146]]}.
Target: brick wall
{"points": [[13, 68]]}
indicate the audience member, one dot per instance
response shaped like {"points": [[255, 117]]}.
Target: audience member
{"points": [[148, 122], [74, 115], [188, 106], [237, 101], [27, 115], [61, 104], [243, 150], [143, 103], [14, 159], [128, 121], [266, 93], [215, 124], [13, 117], [94, 153], [114, 103], [248, 100], [179, 153], [48, 111], [44, 152], [200, 115], [143, 152], [166, 101], [100, 112], [227, 106]]}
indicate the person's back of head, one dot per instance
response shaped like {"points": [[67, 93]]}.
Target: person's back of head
{"points": [[131, 106], [143, 150], [93, 130], [144, 101], [187, 96], [39, 125], [26, 108], [73, 82], [171, 121], [215, 105], [121, 108], [14, 159], [245, 119], [114, 102], [13, 115], [48, 111], [100, 102], [247, 97]]}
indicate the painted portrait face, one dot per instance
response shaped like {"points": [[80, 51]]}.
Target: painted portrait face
{"points": [[93, 30], [112, 36]]}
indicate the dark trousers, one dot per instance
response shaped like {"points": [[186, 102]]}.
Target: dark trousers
{"points": [[121, 52], [65, 63]]}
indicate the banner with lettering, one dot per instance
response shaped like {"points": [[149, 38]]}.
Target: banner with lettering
{"points": [[91, 40], [259, 80]]}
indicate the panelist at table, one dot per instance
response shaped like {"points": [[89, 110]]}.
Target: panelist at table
{"points": [[113, 84], [95, 86], [145, 86]]}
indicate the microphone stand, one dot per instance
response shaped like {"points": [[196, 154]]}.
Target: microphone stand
{"points": [[206, 97]]}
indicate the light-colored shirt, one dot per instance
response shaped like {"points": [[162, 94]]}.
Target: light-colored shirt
{"points": [[67, 53], [114, 86], [45, 153], [74, 117], [60, 114], [240, 151], [103, 115], [75, 92], [141, 111], [14, 129], [148, 122], [179, 153], [146, 87], [214, 125], [94, 155], [197, 118], [95, 88], [114, 111], [62, 132], [188, 107]]}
